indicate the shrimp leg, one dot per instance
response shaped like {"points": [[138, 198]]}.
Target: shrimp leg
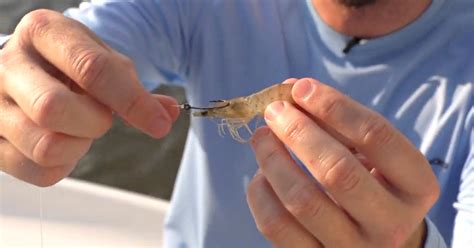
{"points": [[236, 113]]}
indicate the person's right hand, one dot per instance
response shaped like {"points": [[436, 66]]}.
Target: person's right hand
{"points": [[59, 85]]}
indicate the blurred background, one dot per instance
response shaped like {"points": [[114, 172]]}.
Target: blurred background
{"points": [[124, 157]]}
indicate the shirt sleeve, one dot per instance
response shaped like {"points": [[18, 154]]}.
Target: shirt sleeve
{"points": [[463, 235], [153, 33], [433, 237]]}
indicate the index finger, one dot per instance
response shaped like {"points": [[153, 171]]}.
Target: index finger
{"points": [[103, 73], [384, 146]]}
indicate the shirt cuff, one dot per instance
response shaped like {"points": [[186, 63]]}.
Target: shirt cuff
{"points": [[3, 40], [433, 237]]}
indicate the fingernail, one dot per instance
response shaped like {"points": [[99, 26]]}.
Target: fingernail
{"points": [[273, 110], [303, 88], [258, 173], [259, 176]]}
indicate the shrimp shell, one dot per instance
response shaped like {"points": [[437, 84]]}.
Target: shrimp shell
{"points": [[236, 113]]}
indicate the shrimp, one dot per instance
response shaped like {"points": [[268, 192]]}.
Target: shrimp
{"points": [[237, 112]]}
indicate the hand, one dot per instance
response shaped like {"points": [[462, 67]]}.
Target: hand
{"points": [[375, 187], [59, 85]]}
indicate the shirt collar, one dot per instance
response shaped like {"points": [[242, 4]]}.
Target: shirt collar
{"points": [[336, 42]]}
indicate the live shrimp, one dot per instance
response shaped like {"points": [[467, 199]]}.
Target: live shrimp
{"points": [[237, 112]]}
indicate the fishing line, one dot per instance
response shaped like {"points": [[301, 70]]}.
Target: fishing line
{"points": [[40, 190]]}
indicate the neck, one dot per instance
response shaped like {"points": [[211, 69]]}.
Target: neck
{"points": [[370, 21]]}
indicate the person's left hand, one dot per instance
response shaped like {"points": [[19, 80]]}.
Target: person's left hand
{"points": [[374, 188]]}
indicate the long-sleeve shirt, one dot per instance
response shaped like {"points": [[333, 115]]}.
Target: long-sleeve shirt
{"points": [[420, 78]]}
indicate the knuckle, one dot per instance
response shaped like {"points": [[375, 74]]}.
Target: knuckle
{"points": [[89, 66], [376, 131], [48, 107], [36, 22], [303, 203], [274, 227], [339, 173], [331, 105], [126, 63], [295, 131], [45, 151], [134, 104]]}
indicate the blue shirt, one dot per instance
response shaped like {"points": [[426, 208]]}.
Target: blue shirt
{"points": [[420, 78]]}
